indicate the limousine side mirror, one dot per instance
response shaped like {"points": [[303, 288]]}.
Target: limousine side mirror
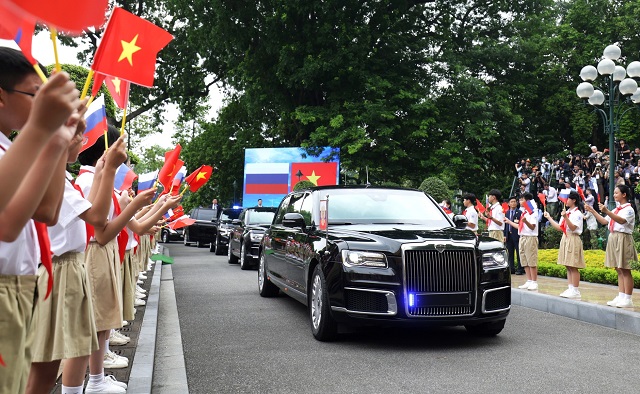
{"points": [[460, 222], [293, 220]]}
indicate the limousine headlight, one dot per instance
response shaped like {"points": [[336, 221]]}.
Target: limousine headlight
{"points": [[495, 260], [256, 237], [353, 258]]}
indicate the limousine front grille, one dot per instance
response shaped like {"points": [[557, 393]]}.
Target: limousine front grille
{"points": [[439, 283]]}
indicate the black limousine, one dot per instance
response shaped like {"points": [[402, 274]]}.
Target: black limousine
{"points": [[382, 256]]}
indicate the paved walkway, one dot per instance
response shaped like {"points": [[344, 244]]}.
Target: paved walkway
{"points": [[591, 308]]}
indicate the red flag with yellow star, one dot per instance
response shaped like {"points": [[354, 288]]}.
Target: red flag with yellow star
{"points": [[19, 27], [172, 165], [118, 88], [129, 48], [318, 173], [199, 177]]}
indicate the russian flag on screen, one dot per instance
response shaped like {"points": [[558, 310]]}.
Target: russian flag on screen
{"points": [[124, 177], [96, 118], [564, 195], [266, 178], [146, 181], [529, 206]]}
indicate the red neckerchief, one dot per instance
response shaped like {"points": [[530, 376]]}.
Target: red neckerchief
{"points": [[122, 237], [45, 251], [615, 212], [521, 225], [563, 223]]}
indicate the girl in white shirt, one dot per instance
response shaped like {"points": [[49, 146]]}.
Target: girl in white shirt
{"points": [[570, 253], [621, 250]]}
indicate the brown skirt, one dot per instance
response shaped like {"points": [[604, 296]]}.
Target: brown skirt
{"points": [[66, 326], [103, 271], [621, 251], [17, 327], [128, 285], [570, 253]]}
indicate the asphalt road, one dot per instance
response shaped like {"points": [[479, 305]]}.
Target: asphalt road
{"points": [[237, 342]]}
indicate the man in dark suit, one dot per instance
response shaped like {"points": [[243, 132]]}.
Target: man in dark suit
{"points": [[216, 206], [511, 237]]}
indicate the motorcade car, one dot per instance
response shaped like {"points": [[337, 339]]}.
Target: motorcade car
{"points": [[203, 230], [383, 256], [223, 229], [246, 234], [168, 234]]}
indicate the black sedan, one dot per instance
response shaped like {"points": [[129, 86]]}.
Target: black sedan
{"points": [[246, 235], [383, 256], [223, 229]]}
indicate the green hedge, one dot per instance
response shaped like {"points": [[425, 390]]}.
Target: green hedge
{"points": [[595, 272]]}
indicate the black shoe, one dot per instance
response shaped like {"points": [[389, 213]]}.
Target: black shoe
{"points": [[519, 272], [513, 272]]}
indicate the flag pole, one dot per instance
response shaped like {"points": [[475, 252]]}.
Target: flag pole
{"points": [[40, 73], [54, 40], [90, 100], [185, 189], [85, 89], [124, 118]]}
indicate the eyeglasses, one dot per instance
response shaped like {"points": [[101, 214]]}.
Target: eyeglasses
{"points": [[20, 91]]}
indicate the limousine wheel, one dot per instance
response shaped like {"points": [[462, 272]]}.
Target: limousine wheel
{"points": [[244, 264], [486, 329], [231, 259], [265, 287], [323, 326]]}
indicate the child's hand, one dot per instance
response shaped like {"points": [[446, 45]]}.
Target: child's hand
{"points": [[116, 155], [54, 103], [173, 201], [145, 197]]}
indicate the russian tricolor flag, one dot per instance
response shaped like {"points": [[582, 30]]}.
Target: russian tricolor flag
{"points": [[124, 177], [266, 178], [529, 206], [146, 181], [96, 118], [564, 195], [181, 173]]}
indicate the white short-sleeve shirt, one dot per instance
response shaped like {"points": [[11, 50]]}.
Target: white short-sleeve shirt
{"points": [[625, 211], [498, 214], [531, 218], [22, 256], [577, 218], [70, 233], [472, 218]]}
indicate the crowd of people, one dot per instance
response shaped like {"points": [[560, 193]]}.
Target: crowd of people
{"points": [[72, 250], [569, 196]]}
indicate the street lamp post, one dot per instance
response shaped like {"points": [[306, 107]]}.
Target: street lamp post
{"points": [[612, 100], [235, 186]]}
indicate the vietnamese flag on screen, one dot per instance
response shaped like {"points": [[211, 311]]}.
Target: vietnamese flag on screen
{"points": [[129, 48], [17, 27], [70, 16], [318, 173]]}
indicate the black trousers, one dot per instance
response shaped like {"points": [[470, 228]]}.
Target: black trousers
{"points": [[512, 250]]}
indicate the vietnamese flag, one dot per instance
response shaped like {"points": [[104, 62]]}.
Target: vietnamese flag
{"points": [[318, 173], [176, 213], [181, 222], [170, 167], [543, 199], [18, 27], [175, 186], [118, 88], [70, 16], [505, 207], [129, 48], [199, 177], [479, 207]]}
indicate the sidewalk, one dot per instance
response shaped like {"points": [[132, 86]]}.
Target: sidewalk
{"points": [[591, 308]]}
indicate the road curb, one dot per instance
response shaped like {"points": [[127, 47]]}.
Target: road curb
{"points": [[616, 318], [141, 377]]}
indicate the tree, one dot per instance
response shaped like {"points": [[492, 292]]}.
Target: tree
{"points": [[436, 188]]}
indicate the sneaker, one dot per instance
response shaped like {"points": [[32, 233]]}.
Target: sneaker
{"points": [[626, 303], [106, 387], [575, 293], [142, 276], [525, 286], [139, 302], [566, 294], [115, 381], [122, 336], [533, 286], [140, 282], [140, 296], [125, 323], [116, 340], [150, 261], [112, 360], [613, 302], [141, 290]]}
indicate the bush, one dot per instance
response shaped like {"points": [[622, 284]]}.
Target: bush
{"points": [[436, 188], [303, 185], [551, 238]]}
